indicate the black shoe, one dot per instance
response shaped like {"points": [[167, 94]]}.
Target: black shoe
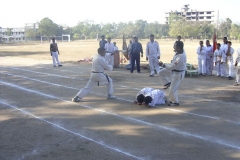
{"points": [[230, 78], [151, 76], [60, 65], [173, 104], [54, 66], [200, 74], [167, 85]]}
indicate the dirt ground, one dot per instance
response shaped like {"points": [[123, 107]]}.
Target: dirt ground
{"points": [[39, 121]]}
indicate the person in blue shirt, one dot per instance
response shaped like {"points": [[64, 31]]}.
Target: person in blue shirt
{"points": [[102, 42], [135, 54]]}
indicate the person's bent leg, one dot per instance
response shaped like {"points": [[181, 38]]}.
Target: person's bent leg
{"points": [[164, 76], [84, 91]]}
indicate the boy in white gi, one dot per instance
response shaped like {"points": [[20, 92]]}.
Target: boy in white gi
{"points": [[224, 48], [229, 60], [109, 47], [209, 58], [201, 51], [153, 55], [237, 64], [98, 76], [54, 53], [217, 58], [172, 75], [141, 95], [155, 97]]}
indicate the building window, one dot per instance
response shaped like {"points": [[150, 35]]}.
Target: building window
{"points": [[193, 12], [188, 13], [188, 18], [201, 13], [208, 17], [208, 12], [201, 17], [193, 17]]}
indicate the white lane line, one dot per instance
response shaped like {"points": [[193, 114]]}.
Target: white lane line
{"points": [[55, 75], [211, 139], [174, 110], [69, 131]]}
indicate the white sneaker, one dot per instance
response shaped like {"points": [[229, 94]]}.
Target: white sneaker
{"points": [[236, 84], [110, 96], [76, 99]]}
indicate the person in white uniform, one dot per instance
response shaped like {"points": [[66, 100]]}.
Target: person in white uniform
{"points": [[209, 58], [154, 97], [54, 53], [141, 95], [217, 59], [229, 60], [237, 64], [172, 75], [201, 51], [224, 48], [153, 55], [99, 64], [109, 47]]}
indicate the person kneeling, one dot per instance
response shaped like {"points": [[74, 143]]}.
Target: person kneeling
{"points": [[141, 95], [155, 97]]}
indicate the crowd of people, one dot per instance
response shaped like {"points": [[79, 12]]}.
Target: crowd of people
{"points": [[220, 59]]}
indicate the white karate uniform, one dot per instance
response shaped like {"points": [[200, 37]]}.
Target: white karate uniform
{"points": [[238, 67], [217, 57], [157, 97], [209, 60], [201, 60], [167, 75], [152, 52], [144, 91], [224, 48], [109, 47], [229, 63], [99, 64]]}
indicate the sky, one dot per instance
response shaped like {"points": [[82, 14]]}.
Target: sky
{"points": [[16, 13]]}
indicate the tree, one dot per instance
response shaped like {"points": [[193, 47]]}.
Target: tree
{"points": [[30, 33], [76, 36], [235, 31], [9, 31], [47, 27], [224, 28]]}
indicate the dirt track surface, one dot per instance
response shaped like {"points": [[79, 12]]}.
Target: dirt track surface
{"points": [[39, 121]]}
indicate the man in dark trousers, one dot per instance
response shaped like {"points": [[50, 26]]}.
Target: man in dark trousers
{"points": [[135, 54], [102, 42]]}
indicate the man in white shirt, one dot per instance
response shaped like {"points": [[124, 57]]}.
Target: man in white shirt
{"points": [[217, 59], [109, 47], [209, 58], [172, 75], [229, 60], [99, 64], [154, 97], [153, 55], [201, 51], [237, 64], [141, 95]]}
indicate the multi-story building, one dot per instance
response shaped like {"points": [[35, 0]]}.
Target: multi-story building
{"points": [[192, 15], [12, 34]]}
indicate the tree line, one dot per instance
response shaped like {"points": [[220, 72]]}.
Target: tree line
{"points": [[177, 26]]}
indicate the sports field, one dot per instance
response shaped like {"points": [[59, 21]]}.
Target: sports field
{"points": [[39, 121]]}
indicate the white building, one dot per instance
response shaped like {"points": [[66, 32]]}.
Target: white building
{"points": [[12, 34], [192, 15]]}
